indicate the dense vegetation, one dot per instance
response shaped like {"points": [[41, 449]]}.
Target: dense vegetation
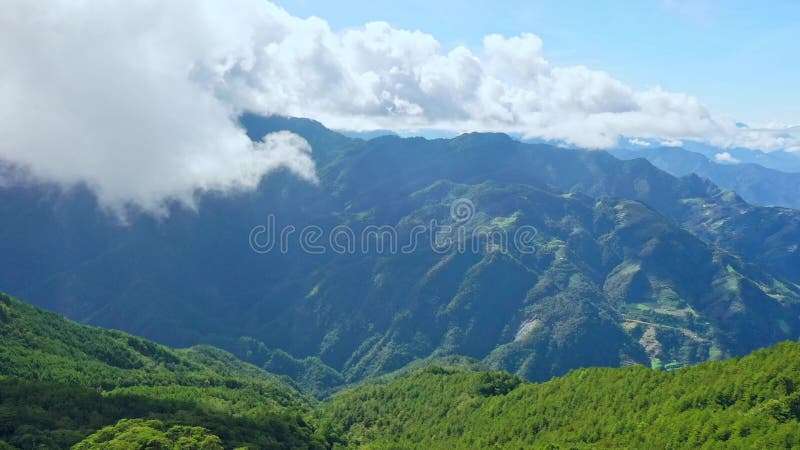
{"points": [[753, 402], [630, 265], [66, 385], [138, 433], [60, 382]]}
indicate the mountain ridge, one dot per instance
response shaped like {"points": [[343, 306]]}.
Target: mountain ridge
{"points": [[755, 183], [612, 245]]}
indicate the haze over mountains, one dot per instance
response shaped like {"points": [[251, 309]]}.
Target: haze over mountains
{"points": [[629, 264], [753, 182]]}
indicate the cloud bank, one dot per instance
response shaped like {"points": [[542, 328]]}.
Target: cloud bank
{"points": [[139, 99], [107, 94]]}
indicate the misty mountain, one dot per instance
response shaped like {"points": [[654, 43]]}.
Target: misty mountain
{"points": [[754, 183], [785, 161]]}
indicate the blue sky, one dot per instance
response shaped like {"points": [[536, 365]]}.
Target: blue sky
{"points": [[740, 58]]}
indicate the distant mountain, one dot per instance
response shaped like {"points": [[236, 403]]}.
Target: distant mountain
{"points": [[754, 183], [625, 263], [753, 402], [782, 160], [60, 382], [778, 160]]}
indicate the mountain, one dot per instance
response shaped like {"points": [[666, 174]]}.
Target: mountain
{"points": [[785, 161], [61, 381], [622, 263], [782, 160], [754, 183], [753, 402]]}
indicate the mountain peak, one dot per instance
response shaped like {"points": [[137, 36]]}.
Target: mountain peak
{"points": [[482, 139]]}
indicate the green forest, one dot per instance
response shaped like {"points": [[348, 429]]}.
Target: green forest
{"points": [[65, 385], [752, 402]]}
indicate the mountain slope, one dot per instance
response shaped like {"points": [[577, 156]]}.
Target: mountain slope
{"points": [[754, 183], [628, 263], [60, 381], [785, 161], [601, 277], [753, 402], [106, 389]]}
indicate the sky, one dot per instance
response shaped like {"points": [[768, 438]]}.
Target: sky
{"points": [[739, 57], [139, 100]]}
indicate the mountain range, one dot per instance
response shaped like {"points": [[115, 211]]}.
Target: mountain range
{"points": [[753, 182], [626, 264], [782, 159]]}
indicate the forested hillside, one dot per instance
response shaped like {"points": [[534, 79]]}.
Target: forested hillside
{"points": [[64, 384], [753, 402], [60, 382]]}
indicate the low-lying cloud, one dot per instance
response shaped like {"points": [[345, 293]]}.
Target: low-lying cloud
{"points": [[725, 157], [139, 99]]}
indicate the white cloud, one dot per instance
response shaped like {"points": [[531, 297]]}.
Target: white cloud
{"points": [[639, 142], [672, 143], [139, 99], [112, 95], [725, 157]]}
